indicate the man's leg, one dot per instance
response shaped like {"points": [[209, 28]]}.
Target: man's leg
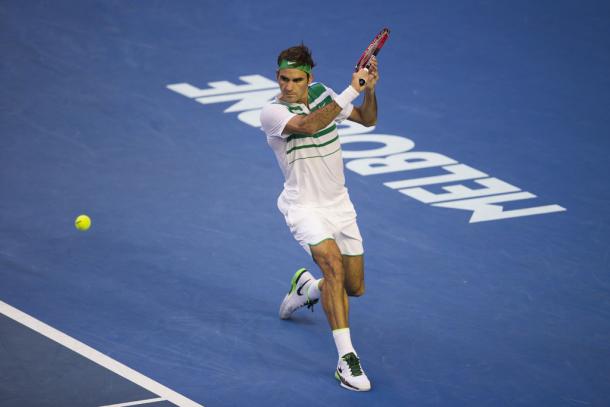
{"points": [[335, 303], [334, 297], [354, 275]]}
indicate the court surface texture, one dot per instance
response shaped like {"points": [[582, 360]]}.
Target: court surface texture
{"points": [[482, 196]]}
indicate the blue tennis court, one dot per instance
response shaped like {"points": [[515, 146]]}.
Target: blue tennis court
{"points": [[482, 196]]}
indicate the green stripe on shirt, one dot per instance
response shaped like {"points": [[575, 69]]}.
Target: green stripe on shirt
{"points": [[323, 103], [315, 135], [315, 156], [313, 145], [315, 91], [296, 109]]}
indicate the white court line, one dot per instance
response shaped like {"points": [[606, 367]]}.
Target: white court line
{"points": [[97, 357], [135, 403]]}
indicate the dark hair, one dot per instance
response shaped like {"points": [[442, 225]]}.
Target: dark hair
{"points": [[299, 54]]}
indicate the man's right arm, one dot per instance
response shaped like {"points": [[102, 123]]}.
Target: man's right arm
{"points": [[311, 123]]}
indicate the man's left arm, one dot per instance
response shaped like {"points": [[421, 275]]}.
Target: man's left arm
{"points": [[366, 113]]}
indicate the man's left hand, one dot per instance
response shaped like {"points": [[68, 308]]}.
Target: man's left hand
{"points": [[373, 74]]}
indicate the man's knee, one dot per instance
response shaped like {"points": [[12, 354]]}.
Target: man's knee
{"points": [[331, 266], [356, 291]]}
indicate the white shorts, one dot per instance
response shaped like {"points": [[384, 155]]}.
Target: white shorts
{"points": [[312, 225]]}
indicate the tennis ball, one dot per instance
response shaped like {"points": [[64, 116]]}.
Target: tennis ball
{"points": [[82, 222]]}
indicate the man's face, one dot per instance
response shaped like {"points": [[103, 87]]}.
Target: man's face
{"points": [[293, 84]]}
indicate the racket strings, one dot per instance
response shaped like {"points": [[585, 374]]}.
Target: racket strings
{"points": [[372, 49]]}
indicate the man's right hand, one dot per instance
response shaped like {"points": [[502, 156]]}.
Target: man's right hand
{"points": [[356, 76]]}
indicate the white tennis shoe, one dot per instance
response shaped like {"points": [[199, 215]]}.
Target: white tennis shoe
{"points": [[297, 295], [350, 374]]}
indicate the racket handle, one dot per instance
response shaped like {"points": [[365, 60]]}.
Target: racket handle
{"points": [[362, 81]]}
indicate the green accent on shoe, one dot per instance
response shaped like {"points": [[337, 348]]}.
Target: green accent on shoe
{"points": [[309, 301], [344, 382], [295, 278], [353, 362], [309, 304]]}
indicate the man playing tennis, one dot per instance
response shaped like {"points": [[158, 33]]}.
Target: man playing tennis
{"points": [[301, 128]]}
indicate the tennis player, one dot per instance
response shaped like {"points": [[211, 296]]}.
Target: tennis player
{"points": [[301, 128]]}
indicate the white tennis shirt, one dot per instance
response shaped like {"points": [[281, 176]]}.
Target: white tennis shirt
{"points": [[312, 164]]}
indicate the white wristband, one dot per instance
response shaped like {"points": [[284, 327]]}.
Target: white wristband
{"points": [[346, 97]]}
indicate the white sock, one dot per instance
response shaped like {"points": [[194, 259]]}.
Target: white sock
{"points": [[313, 292], [343, 341]]}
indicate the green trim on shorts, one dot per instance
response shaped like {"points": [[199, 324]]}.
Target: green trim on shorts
{"points": [[323, 240], [342, 254]]}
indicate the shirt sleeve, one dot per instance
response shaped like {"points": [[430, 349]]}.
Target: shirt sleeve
{"points": [[344, 114], [274, 118]]}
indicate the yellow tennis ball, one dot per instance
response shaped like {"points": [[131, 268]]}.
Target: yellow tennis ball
{"points": [[82, 222]]}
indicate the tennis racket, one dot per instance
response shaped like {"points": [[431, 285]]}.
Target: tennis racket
{"points": [[372, 50]]}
